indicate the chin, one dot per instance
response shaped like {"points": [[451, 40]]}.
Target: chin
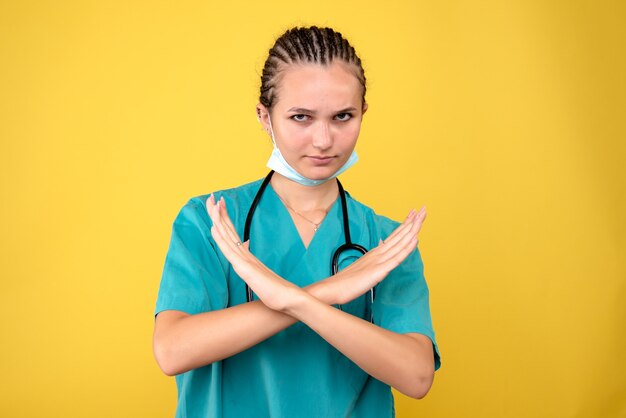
{"points": [[320, 173]]}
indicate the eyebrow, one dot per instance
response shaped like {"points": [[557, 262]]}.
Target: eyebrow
{"points": [[312, 112]]}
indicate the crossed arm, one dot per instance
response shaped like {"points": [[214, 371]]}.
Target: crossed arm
{"points": [[404, 361]]}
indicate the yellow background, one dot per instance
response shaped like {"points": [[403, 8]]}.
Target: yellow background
{"points": [[505, 118]]}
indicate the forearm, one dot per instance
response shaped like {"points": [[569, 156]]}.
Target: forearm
{"points": [[183, 342], [399, 360]]}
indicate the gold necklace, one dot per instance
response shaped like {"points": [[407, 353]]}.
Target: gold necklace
{"points": [[316, 225]]}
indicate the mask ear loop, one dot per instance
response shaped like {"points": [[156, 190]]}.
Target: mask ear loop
{"points": [[269, 120]]}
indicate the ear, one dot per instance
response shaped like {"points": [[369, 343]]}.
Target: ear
{"points": [[364, 108], [262, 115]]}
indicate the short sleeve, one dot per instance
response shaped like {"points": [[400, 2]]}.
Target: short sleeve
{"points": [[194, 278], [402, 302]]}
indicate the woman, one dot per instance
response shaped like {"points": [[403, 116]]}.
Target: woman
{"points": [[249, 328]]}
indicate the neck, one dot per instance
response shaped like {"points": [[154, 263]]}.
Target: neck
{"points": [[305, 198]]}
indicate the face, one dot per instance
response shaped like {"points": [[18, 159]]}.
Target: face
{"points": [[316, 117]]}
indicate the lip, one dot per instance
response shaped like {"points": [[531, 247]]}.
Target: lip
{"points": [[321, 159]]}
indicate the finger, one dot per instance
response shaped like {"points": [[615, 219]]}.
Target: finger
{"points": [[228, 224], [212, 209], [415, 227], [418, 221], [214, 212], [218, 224], [210, 204], [401, 255], [399, 229], [223, 244], [387, 244], [402, 245], [217, 215], [422, 213], [402, 231], [224, 222], [399, 251], [230, 250]]}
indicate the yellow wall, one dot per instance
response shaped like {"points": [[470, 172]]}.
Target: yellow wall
{"points": [[506, 118]]}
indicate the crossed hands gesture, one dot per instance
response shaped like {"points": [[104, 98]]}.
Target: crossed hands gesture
{"points": [[279, 294]]}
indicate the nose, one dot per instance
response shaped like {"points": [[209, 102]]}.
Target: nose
{"points": [[322, 138]]}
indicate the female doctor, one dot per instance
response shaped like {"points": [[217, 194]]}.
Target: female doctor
{"points": [[250, 318]]}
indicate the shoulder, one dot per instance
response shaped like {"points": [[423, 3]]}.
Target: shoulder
{"points": [[238, 199], [239, 194], [381, 225]]}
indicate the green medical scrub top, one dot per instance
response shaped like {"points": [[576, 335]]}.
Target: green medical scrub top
{"points": [[294, 373]]}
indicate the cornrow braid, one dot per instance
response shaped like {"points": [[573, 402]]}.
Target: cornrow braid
{"points": [[306, 45]]}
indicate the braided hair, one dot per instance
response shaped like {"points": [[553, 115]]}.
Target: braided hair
{"points": [[306, 45]]}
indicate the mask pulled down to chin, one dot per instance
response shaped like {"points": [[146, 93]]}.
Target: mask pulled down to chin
{"points": [[278, 163]]}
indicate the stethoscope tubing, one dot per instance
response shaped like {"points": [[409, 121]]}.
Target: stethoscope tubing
{"points": [[348, 245]]}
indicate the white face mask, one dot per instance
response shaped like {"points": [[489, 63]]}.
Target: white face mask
{"points": [[278, 163]]}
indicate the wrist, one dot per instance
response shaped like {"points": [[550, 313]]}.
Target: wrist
{"points": [[297, 301], [336, 286], [324, 290]]}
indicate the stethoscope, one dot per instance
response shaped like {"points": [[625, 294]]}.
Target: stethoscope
{"points": [[334, 265]]}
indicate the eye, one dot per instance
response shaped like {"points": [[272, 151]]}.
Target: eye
{"points": [[344, 116], [300, 118]]}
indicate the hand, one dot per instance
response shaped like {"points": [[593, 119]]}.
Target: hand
{"points": [[274, 291], [375, 265]]}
